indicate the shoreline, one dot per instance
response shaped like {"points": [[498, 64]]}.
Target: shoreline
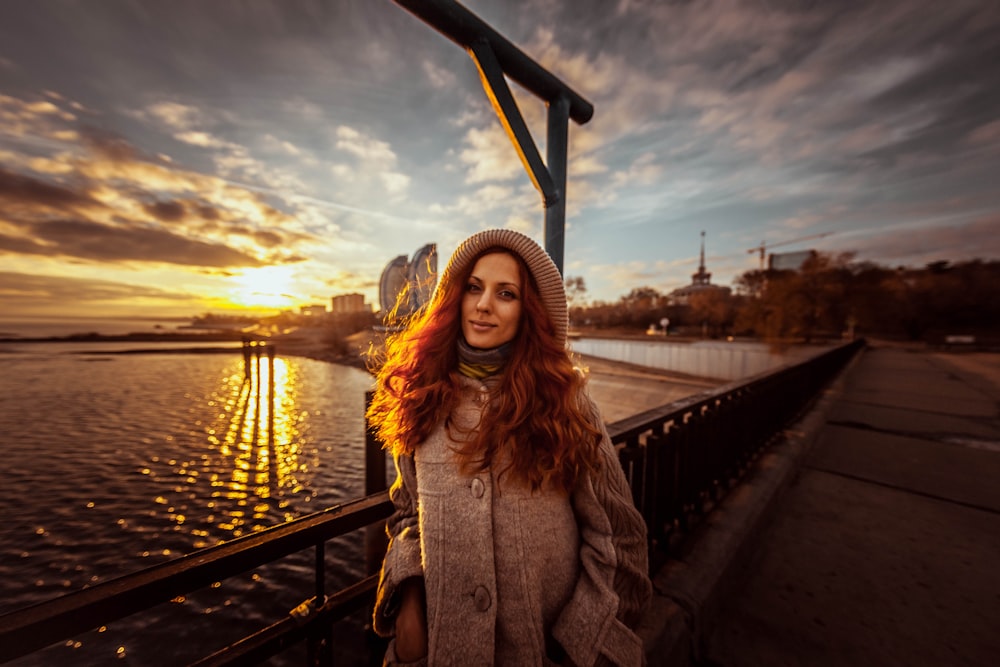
{"points": [[294, 346], [136, 337]]}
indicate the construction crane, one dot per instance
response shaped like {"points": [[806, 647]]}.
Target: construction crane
{"points": [[766, 246]]}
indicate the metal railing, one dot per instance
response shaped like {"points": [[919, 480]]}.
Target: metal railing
{"points": [[30, 629], [680, 459]]}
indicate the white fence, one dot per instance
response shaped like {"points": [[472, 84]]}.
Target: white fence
{"points": [[710, 359]]}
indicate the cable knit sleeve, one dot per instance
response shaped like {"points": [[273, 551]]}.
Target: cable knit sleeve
{"points": [[402, 557], [595, 627]]}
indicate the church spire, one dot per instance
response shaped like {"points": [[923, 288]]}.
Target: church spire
{"points": [[703, 277], [701, 263]]}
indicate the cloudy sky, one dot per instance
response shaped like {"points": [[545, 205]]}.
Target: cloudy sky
{"points": [[171, 158]]}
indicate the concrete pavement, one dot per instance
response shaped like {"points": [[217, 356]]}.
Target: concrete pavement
{"points": [[886, 548]]}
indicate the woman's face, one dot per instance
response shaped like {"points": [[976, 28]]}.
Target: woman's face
{"points": [[491, 303]]}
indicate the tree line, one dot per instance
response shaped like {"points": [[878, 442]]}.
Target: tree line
{"points": [[829, 296]]}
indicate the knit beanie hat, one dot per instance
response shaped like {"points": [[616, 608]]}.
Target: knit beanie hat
{"points": [[540, 265]]}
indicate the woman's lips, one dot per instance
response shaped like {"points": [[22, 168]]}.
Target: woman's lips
{"points": [[481, 326]]}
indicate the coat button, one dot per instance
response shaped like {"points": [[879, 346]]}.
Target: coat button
{"points": [[478, 488], [482, 396], [482, 599]]}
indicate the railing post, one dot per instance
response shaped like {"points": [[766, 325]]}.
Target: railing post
{"points": [[374, 455], [631, 459], [320, 644], [376, 539], [656, 488]]}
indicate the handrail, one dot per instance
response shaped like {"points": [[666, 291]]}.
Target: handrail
{"points": [[308, 618], [27, 630], [679, 458]]}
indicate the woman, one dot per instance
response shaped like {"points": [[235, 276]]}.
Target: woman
{"points": [[514, 540]]}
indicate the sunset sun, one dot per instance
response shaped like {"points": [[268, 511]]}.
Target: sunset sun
{"points": [[264, 287]]}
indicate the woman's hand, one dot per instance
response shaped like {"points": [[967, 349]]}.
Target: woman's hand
{"points": [[411, 621]]}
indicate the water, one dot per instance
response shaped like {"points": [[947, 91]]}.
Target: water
{"points": [[43, 327], [113, 463]]}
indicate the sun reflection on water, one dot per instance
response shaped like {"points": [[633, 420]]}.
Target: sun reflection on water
{"points": [[168, 454], [263, 443], [255, 466]]}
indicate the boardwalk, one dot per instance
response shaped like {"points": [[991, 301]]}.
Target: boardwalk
{"points": [[886, 551]]}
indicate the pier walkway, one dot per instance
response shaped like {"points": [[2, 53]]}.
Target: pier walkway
{"points": [[871, 536]]}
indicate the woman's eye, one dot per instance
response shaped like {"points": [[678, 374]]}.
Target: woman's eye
{"points": [[507, 294], [472, 287]]}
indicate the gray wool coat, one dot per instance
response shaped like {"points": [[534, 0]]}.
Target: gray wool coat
{"points": [[507, 569]]}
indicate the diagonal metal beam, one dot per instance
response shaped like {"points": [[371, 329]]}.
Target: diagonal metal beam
{"points": [[504, 104], [463, 27]]}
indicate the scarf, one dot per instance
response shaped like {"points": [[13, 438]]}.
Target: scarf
{"points": [[479, 364]]}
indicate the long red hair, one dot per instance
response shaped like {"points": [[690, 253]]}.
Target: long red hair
{"points": [[534, 420]]}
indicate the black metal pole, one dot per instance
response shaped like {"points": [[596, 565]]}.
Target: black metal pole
{"points": [[556, 148], [374, 456], [376, 539]]}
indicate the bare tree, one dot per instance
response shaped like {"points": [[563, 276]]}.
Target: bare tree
{"points": [[576, 291], [714, 310]]}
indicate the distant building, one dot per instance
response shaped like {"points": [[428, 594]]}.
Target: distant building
{"points": [[422, 275], [789, 261], [313, 311], [701, 282], [416, 278], [349, 303], [392, 282]]}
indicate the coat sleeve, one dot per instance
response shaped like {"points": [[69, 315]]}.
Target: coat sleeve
{"points": [[595, 627], [402, 557]]}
